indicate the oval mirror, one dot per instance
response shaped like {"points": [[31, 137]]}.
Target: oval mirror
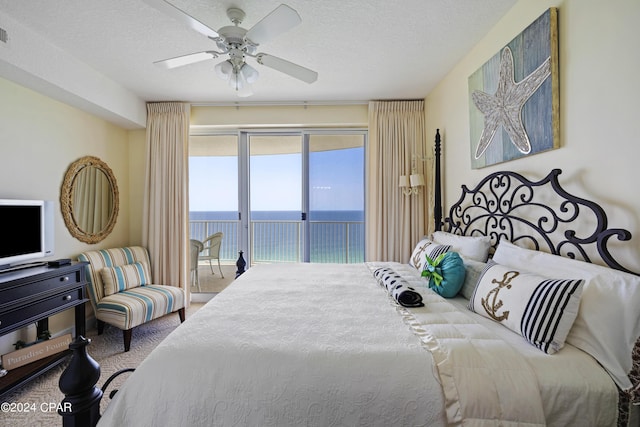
{"points": [[89, 199]]}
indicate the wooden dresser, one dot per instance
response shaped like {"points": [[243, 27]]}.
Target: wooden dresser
{"points": [[32, 295]]}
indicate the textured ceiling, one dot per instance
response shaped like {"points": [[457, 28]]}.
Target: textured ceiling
{"points": [[362, 50]]}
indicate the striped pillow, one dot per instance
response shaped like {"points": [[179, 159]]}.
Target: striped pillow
{"points": [[542, 310], [118, 279], [424, 248]]}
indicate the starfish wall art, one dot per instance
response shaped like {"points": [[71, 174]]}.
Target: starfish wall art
{"points": [[513, 97]]}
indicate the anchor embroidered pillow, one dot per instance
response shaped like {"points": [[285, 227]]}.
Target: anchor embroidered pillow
{"points": [[540, 309], [426, 247]]}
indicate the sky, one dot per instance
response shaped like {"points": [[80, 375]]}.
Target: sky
{"points": [[336, 179]]}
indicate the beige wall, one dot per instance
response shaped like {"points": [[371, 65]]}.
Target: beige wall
{"points": [[39, 139], [137, 162], [599, 108]]}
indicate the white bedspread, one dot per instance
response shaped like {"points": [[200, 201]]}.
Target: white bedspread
{"points": [[323, 345], [490, 372], [574, 389], [293, 345]]}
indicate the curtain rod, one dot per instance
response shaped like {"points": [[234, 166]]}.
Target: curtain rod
{"points": [[275, 103]]}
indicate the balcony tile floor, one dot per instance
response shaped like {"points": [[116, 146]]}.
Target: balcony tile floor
{"points": [[213, 283]]}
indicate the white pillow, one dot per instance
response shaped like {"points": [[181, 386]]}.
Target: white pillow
{"points": [[426, 247], [608, 322], [540, 309], [474, 270], [474, 247]]}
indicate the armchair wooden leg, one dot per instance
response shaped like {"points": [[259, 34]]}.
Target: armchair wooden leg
{"points": [[100, 327], [181, 314], [127, 339]]}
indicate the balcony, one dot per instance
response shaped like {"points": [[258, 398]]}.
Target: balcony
{"points": [[281, 241]]}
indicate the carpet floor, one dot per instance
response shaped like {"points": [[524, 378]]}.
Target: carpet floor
{"points": [[107, 350]]}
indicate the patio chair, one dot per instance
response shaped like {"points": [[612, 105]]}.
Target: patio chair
{"points": [[196, 248], [211, 250]]}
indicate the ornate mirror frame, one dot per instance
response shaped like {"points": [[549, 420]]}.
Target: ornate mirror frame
{"points": [[67, 199]]}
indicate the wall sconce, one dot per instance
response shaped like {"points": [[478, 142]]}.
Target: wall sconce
{"points": [[411, 184]]}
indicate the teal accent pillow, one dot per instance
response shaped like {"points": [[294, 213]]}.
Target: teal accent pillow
{"points": [[451, 269]]}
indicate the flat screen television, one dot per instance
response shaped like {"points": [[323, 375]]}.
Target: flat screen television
{"points": [[28, 231]]}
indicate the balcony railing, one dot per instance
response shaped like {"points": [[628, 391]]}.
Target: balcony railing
{"points": [[201, 229], [281, 241], [334, 241]]}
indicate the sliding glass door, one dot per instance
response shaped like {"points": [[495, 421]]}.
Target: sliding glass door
{"points": [[336, 197], [213, 208], [280, 196], [275, 198]]}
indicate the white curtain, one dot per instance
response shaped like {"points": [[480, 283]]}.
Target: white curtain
{"points": [[395, 221], [166, 205]]}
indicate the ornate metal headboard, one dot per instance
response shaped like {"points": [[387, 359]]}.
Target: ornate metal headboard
{"points": [[540, 215]]}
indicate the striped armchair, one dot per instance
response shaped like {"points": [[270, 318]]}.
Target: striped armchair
{"points": [[122, 292]]}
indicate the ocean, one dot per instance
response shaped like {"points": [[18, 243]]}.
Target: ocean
{"points": [[277, 236], [278, 215]]}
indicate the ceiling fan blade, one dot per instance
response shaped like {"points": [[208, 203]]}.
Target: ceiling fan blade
{"points": [[281, 19], [192, 58], [284, 66], [183, 17]]}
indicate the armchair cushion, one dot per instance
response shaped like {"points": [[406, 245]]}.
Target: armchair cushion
{"points": [[136, 306], [121, 278]]}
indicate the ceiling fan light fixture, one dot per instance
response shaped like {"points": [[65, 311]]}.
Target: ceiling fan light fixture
{"points": [[239, 83], [239, 78], [249, 73], [245, 91], [224, 70]]}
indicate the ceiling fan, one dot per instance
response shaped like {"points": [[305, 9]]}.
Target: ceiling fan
{"points": [[239, 43]]}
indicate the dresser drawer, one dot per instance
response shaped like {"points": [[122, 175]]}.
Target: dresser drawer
{"points": [[14, 295], [25, 315]]}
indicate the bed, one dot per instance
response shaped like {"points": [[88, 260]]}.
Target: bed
{"points": [[372, 344]]}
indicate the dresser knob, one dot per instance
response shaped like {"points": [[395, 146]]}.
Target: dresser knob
{"points": [[67, 298], [64, 279]]}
